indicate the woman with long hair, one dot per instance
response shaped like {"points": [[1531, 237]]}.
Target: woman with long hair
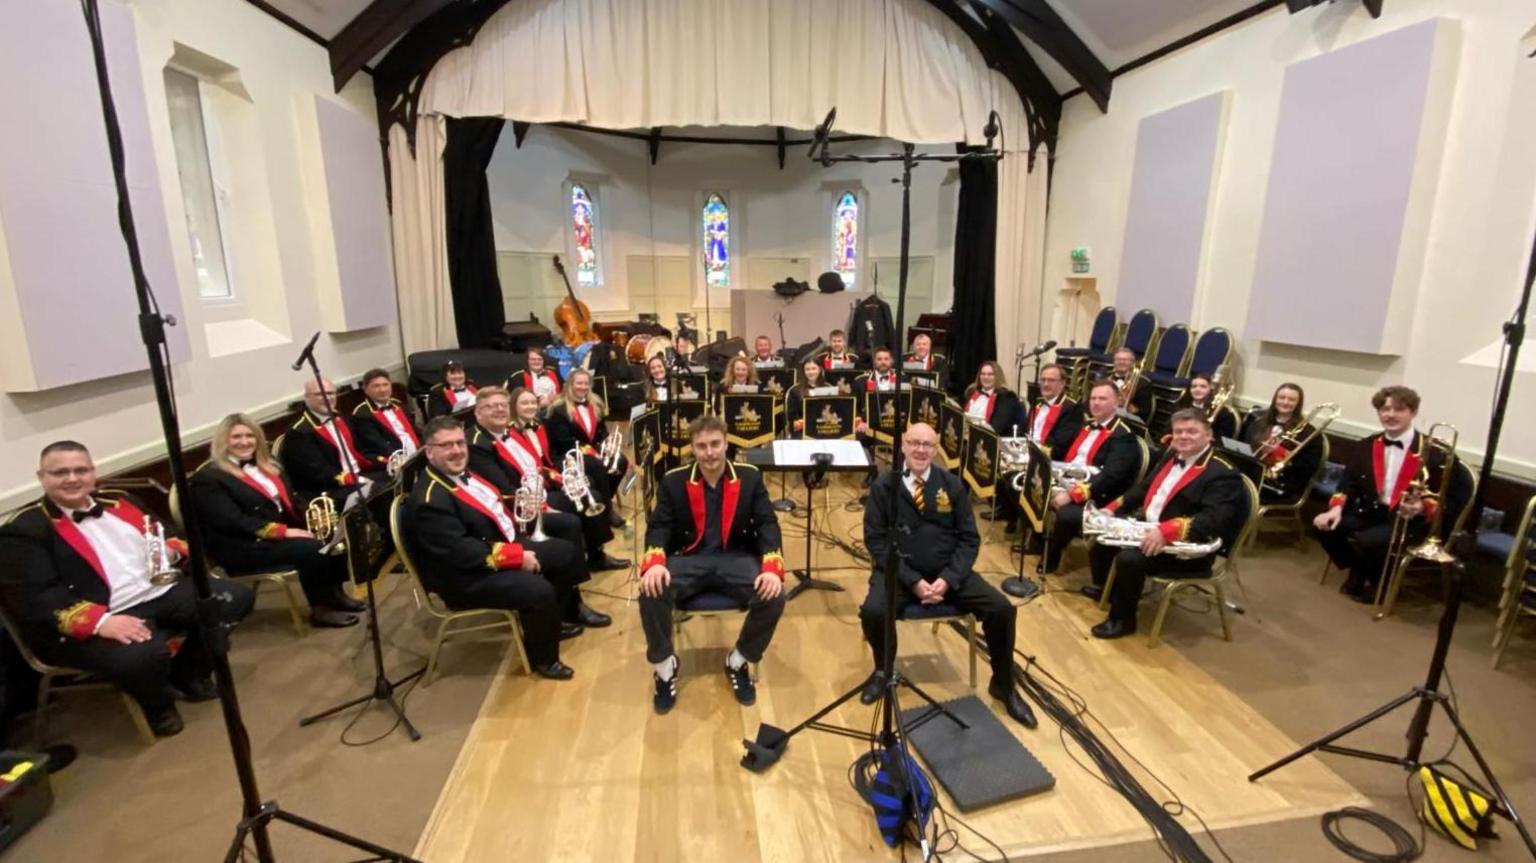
{"points": [[577, 421], [1198, 395], [658, 387], [1267, 431], [989, 399], [811, 378], [252, 522]]}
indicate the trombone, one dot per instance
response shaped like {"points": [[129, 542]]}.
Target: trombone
{"points": [[1441, 436], [1294, 439], [1222, 386]]}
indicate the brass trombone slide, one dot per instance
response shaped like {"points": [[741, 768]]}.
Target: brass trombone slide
{"points": [[1431, 548]]}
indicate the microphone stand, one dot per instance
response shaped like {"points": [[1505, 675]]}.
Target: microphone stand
{"points": [[257, 814]]}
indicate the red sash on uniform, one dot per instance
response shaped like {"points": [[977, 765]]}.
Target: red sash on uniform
{"points": [[1082, 436], [346, 436], [1052, 414], [1405, 471], [991, 402], [285, 503]]}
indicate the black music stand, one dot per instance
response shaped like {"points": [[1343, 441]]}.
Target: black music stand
{"points": [[766, 458]]}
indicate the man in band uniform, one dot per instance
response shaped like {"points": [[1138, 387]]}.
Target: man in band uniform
{"points": [[1104, 441]]}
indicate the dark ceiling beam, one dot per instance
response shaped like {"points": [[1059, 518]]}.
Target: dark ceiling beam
{"points": [[1041, 25], [653, 144], [1002, 51], [374, 28]]}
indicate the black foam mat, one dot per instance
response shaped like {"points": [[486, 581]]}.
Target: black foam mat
{"points": [[978, 766]]}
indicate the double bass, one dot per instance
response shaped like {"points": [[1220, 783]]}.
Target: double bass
{"points": [[572, 315]]}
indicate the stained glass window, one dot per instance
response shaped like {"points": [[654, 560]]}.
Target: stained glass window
{"points": [[845, 237], [584, 223], [717, 241]]}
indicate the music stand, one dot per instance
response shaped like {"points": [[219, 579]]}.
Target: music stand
{"points": [[817, 458]]}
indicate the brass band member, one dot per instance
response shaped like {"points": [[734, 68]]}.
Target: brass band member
{"points": [[320, 453], [1198, 395], [837, 355], [937, 543], [989, 399], [539, 378], [762, 352], [1284, 416], [1053, 423], [507, 443], [469, 553], [1104, 442], [1357, 526], [1194, 497], [657, 383], [383, 424], [882, 377], [1127, 379], [577, 421], [455, 392], [252, 522], [923, 355], [713, 530], [76, 582], [794, 401], [739, 372]]}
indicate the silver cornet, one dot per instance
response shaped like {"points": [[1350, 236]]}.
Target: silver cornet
{"points": [[528, 505], [573, 478], [610, 451], [157, 558], [396, 463]]}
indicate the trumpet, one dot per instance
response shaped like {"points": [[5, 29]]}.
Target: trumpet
{"points": [[573, 478], [1107, 529], [1432, 548], [322, 520], [528, 506], [157, 558], [1294, 439], [610, 451]]}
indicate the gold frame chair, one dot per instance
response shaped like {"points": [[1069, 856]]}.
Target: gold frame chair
{"points": [[1516, 566], [1293, 510], [448, 620]]}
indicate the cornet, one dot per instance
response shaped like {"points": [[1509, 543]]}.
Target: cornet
{"points": [[157, 557], [528, 506], [396, 463], [573, 478], [610, 452], [322, 520]]}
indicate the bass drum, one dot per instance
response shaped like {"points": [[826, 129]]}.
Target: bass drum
{"points": [[640, 348]]}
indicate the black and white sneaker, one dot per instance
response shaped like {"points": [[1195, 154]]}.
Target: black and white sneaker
{"points": [[666, 692], [741, 683]]}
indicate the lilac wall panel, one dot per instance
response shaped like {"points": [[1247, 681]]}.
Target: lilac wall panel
{"points": [[1176, 152], [1348, 140], [354, 181], [58, 204]]}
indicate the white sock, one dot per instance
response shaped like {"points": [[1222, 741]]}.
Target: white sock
{"points": [[666, 668], [735, 660]]}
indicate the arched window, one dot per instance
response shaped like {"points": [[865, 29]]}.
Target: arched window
{"points": [[716, 219], [845, 238], [584, 226]]}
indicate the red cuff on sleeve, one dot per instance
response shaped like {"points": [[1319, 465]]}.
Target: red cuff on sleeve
{"points": [[178, 545], [774, 562], [1430, 506], [505, 555], [1173, 529], [654, 556], [1079, 492], [79, 620], [273, 530], [1338, 499]]}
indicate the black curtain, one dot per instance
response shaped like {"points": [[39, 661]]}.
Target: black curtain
{"points": [[972, 337], [477, 308]]}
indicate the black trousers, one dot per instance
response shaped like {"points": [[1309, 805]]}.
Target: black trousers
{"points": [[542, 599], [572, 529], [1131, 571], [731, 573], [973, 596], [1359, 544], [605, 485], [147, 670], [595, 529], [319, 574], [1067, 527]]}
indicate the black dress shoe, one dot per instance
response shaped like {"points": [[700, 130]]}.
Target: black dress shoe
{"points": [[1014, 703], [571, 630], [1363, 596], [60, 756], [1112, 628], [1092, 591], [604, 560], [741, 683], [198, 690], [872, 688], [556, 670], [331, 618], [167, 723], [345, 602], [615, 518], [586, 615]]}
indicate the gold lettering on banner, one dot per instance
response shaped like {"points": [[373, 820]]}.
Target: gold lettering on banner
{"points": [[748, 421], [952, 436], [679, 426], [981, 465], [927, 415], [829, 423], [888, 414], [775, 387]]}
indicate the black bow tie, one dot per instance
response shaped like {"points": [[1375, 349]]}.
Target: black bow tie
{"points": [[1388, 442], [1178, 462], [80, 515], [463, 478], [246, 462], [1095, 426], [460, 389]]}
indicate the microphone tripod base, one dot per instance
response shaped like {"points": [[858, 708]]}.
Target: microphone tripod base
{"points": [[784, 504], [1020, 587]]}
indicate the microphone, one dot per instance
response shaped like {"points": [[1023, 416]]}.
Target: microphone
{"points": [[309, 351], [869, 327], [820, 139], [1047, 346], [994, 124]]}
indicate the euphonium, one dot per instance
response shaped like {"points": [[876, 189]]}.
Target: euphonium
{"points": [[1107, 529], [157, 557], [528, 505], [610, 451], [573, 478]]}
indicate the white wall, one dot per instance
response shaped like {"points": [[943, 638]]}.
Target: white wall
{"points": [[652, 210], [1478, 241], [117, 417]]}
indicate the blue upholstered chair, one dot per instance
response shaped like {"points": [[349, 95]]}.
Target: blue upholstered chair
{"points": [[1169, 359], [1098, 340], [707, 604], [1212, 350]]}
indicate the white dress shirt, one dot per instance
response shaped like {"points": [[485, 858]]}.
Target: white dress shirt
{"points": [[1392, 462], [262, 481], [1085, 452], [980, 401], [1170, 482], [392, 419], [1037, 428], [491, 500], [908, 478], [120, 548]]}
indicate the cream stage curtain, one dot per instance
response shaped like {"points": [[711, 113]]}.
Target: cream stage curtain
{"points": [[893, 68]]}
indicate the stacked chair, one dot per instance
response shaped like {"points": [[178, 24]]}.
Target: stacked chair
{"points": [[1518, 600], [1074, 361]]}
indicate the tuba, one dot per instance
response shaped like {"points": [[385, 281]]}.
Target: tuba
{"points": [[573, 478], [610, 451], [528, 506], [157, 557]]}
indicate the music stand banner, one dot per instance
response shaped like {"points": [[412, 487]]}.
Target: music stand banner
{"points": [[693, 386], [645, 436], [748, 418], [830, 417], [926, 405], [883, 409], [951, 434], [1035, 495], [675, 417], [980, 465], [776, 380], [843, 379]]}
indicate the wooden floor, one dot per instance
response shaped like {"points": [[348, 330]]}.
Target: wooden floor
{"points": [[583, 770]]}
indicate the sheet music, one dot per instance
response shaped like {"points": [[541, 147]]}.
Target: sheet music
{"points": [[1236, 446], [797, 453]]}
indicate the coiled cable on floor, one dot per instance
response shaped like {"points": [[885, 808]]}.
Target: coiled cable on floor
{"points": [[1405, 847]]}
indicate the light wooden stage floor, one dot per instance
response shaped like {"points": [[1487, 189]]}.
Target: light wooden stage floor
{"points": [[583, 770]]}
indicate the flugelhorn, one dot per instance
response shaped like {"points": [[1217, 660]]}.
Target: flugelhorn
{"points": [[528, 505], [610, 451], [573, 479], [157, 558]]}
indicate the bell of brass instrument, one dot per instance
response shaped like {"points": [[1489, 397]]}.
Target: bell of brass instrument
{"points": [[396, 463], [1442, 436], [1107, 529], [1013, 454], [1065, 474], [1296, 438], [322, 520], [610, 451], [573, 478], [1433, 548], [528, 505], [1222, 386], [157, 557]]}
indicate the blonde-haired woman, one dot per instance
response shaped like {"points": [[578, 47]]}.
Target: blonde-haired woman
{"points": [[252, 522], [577, 422]]}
